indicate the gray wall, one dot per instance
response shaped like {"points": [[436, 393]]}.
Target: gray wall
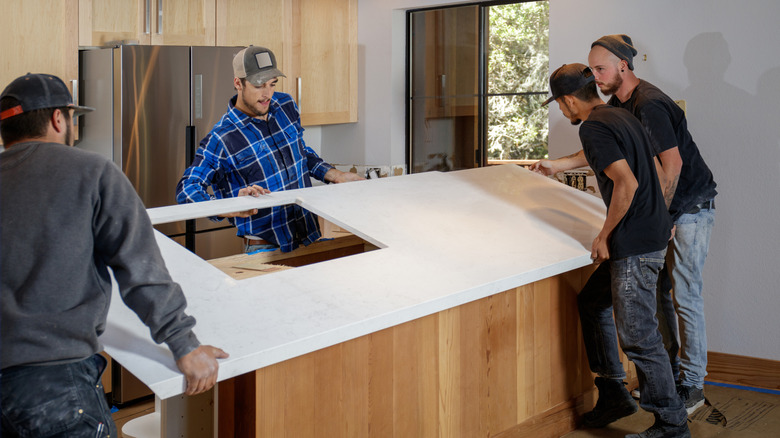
{"points": [[720, 56]]}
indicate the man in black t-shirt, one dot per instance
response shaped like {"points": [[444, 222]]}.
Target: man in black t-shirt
{"points": [[630, 249], [689, 190]]}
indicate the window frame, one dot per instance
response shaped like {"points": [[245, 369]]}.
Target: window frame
{"points": [[481, 158]]}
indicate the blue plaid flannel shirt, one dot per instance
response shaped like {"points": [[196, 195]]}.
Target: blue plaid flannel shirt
{"points": [[237, 153]]}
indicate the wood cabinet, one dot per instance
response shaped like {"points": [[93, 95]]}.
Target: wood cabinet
{"points": [[446, 52], [327, 60], [39, 36], [508, 365], [264, 23], [315, 43], [160, 22]]}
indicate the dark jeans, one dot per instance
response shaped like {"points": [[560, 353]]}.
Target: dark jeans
{"points": [[667, 320], [65, 400], [630, 283]]}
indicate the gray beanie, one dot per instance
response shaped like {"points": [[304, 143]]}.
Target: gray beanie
{"points": [[620, 45]]}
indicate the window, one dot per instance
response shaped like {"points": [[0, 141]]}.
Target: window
{"points": [[477, 79]]}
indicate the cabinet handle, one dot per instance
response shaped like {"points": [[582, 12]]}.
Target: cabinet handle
{"points": [[74, 85], [147, 24], [300, 93], [159, 17]]}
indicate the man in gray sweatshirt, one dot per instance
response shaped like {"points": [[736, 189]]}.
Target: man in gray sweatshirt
{"points": [[66, 217]]}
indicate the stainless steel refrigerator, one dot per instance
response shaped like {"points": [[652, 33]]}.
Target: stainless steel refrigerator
{"points": [[153, 105]]}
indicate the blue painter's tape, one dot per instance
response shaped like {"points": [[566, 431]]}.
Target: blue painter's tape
{"points": [[746, 388]]}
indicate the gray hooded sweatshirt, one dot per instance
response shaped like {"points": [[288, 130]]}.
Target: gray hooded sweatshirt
{"points": [[66, 217]]}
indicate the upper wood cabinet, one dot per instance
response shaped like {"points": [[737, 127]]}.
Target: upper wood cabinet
{"points": [[327, 62], [161, 22], [315, 43], [39, 36], [264, 23]]}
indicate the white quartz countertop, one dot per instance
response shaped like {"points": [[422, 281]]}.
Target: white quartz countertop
{"points": [[445, 239]]}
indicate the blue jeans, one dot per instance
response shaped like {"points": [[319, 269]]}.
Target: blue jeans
{"points": [[685, 261], [64, 400], [628, 286]]}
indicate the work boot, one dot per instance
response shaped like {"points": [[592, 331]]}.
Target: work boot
{"points": [[614, 403], [663, 430]]}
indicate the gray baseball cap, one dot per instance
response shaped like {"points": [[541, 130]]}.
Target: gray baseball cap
{"points": [[256, 64]]}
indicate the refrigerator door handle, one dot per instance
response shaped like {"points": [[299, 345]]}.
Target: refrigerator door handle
{"points": [[189, 226]]}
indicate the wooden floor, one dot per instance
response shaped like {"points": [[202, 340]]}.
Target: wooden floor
{"points": [[728, 412]]}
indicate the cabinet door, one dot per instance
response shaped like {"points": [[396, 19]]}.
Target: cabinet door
{"points": [[327, 37], [162, 22], [265, 23], [315, 43], [39, 36], [183, 22], [110, 21]]}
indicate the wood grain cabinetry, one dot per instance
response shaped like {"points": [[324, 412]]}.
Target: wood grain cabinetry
{"points": [[511, 364], [39, 36], [315, 43], [264, 23], [160, 22], [327, 60], [447, 48]]}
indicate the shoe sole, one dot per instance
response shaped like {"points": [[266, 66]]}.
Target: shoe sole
{"points": [[693, 408]]}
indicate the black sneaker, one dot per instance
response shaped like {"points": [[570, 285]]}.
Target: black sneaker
{"points": [[614, 403], [663, 430], [692, 397]]}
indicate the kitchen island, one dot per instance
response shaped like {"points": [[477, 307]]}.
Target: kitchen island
{"points": [[462, 323]]}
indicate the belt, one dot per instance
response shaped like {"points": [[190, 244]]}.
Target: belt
{"points": [[256, 242], [706, 205]]}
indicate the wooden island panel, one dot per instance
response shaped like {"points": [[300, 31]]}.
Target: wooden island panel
{"points": [[491, 367]]}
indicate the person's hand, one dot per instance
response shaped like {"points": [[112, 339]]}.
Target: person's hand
{"points": [[599, 252], [544, 167], [253, 190], [337, 176], [200, 368], [674, 230]]}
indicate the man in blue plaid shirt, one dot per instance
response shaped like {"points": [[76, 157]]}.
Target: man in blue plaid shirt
{"points": [[257, 148]]}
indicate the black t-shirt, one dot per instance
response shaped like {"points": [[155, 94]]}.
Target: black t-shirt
{"points": [[612, 134], [667, 127]]}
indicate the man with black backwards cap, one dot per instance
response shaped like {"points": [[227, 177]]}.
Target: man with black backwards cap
{"points": [[630, 249], [689, 189], [257, 148], [66, 217]]}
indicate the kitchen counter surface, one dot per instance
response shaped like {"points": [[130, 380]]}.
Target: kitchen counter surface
{"points": [[445, 239]]}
